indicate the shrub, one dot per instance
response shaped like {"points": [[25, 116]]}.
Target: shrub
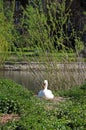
{"points": [[36, 113], [9, 106]]}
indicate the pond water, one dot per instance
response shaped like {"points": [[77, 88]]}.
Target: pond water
{"points": [[30, 80]]}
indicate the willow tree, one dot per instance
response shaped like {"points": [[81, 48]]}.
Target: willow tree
{"points": [[45, 29], [50, 27], [6, 27]]}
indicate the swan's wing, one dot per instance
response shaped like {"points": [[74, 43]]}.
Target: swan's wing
{"points": [[49, 94], [49, 91]]}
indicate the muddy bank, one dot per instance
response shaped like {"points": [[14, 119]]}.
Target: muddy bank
{"points": [[24, 66]]}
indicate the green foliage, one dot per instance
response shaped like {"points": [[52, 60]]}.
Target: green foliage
{"points": [[8, 106], [59, 16], [75, 92], [6, 27], [36, 27], [83, 86], [38, 113], [51, 30]]}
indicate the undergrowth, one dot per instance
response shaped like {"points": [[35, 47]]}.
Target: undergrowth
{"points": [[40, 114]]}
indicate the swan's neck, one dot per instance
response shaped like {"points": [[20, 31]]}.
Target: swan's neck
{"points": [[45, 87]]}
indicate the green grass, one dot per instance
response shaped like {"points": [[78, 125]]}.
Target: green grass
{"points": [[40, 114], [28, 54], [40, 56]]}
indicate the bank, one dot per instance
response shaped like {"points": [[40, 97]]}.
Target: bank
{"points": [[26, 66]]}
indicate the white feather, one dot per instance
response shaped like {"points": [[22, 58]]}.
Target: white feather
{"points": [[46, 93]]}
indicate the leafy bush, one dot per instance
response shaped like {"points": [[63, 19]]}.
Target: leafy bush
{"points": [[83, 86], [74, 93], [40, 114], [8, 106]]}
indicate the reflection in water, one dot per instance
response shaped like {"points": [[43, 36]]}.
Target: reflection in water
{"points": [[28, 79], [32, 80]]}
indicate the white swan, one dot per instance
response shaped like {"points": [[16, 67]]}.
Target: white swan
{"points": [[45, 93]]}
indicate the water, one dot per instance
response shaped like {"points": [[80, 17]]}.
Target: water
{"points": [[58, 79], [27, 79]]}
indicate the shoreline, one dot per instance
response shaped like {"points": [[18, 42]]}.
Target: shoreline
{"points": [[26, 66]]}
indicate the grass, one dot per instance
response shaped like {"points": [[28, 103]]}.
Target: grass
{"points": [[40, 56], [40, 114]]}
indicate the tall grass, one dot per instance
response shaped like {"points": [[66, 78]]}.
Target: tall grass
{"points": [[60, 75]]}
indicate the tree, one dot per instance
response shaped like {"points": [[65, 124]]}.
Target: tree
{"points": [[48, 29], [6, 27], [36, 25]]}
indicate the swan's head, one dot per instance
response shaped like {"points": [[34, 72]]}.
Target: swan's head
{"points": [[45, 84]]}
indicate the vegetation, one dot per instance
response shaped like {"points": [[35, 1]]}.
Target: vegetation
{"points": [[6, 36], [53, 30], [49, 31], [42, 114], [47, 36]]}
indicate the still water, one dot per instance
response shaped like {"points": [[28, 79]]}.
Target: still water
{"points": [[58, 79], [30, 80]]}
